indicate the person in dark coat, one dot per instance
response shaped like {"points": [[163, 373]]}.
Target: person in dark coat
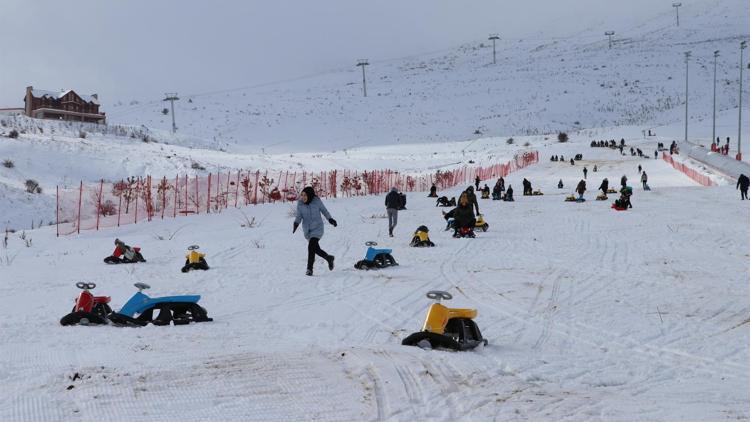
{"points": [[509, 194], [476, 182], [585, 171], [392, 205], [463, 214], [309, 209], [560, 184], [644, 180], [433, 191], [624, 181], [581, 189], [497, 190], [472, 198], [742, 184], [604, 187], [526, 187]]}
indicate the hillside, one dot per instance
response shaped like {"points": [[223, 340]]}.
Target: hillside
{"points": [[538, 86]]}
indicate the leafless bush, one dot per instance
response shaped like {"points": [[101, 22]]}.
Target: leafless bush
{"points": [[32, 186], [8, 163], [562, 137]]}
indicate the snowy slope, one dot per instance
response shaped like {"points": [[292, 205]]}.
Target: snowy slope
{"points": [[538, 86], [591, 314]]}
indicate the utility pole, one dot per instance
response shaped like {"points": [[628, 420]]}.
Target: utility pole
{"points": [[610, 34], [363, 63], [172, 97], [743, 46], [677, 9], [713, 131], [494, 38], [687, 61]]}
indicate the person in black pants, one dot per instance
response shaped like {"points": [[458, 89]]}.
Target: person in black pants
{"points": [[309, 209], [742, 184]]}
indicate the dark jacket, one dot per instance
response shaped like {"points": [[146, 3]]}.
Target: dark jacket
{"points": [[393, 200], [581, 188], [604, 186], [463, 216], [743, 182]]}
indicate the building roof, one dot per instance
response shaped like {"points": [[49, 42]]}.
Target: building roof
{"points": [[40, 93]]}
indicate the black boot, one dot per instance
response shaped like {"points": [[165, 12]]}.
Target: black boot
{"points": [[309, 272], [330, 262]]}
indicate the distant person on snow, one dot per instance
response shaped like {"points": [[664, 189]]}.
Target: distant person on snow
{"points": [[742, 184], [585, 171], [624, 181], [476, 183], [472, 197], [526, 187], [497, 190], [596, 168], [560, 184], [639, 169], [509, 194], [392, 205], [433, 191], [581, 189], [309, 209], [656, 154], [604, 187], [644, 180], [572, 163]]}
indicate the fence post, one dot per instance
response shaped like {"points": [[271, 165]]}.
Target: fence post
{"points": [[57, 210], [237, 188], [137, 194], [163, 195], [119, 203], [255, 196], [197, 197], [99, 204], [80, 198], [176, 188], [208, 198]]}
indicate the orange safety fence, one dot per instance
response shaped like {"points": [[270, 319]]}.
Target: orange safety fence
{"points": [[138, 199], [688, 171]]}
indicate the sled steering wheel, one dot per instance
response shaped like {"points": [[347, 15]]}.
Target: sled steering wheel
{"points": [[371, 243], [193, 247], [141, 286], [439, 295], [85, 286]]}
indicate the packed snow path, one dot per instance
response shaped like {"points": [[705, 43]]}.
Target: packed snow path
{"points": [[590, 314]]}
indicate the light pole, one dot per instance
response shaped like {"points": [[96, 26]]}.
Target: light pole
{"points": [[743, 46], [494, 38], [172, 97], [687, 61], [363, 63], [677, 9], [713, 131], [610, 34]]}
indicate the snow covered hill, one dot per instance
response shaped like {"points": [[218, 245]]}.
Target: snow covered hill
{"points": [[590, 314], [538, 86]]}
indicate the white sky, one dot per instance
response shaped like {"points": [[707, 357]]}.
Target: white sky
{"points": [[139, 49]]}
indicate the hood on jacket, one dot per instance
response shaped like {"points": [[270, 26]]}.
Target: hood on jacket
{"points": [[393, 189]]}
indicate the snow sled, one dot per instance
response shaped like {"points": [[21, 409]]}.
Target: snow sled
{"points": [[122, 258], [376, 258], [139, 310], [88, 309], [537, 193], [421, 238], [194, 260], [485, 194], [443, 201], [572, 198], [618, 207], [481, 224], [447, 328], [464, 232], [601, 197], [610, 190]]}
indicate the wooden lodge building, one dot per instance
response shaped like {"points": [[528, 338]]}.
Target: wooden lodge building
{"points": [[63, 105]]}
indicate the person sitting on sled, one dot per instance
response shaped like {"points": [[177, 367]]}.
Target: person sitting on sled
{"points": [[485, 192], [497, 191], [194, 260], [463, 217], [123, 250], [509, 194], [433, 191], [624, 201]]}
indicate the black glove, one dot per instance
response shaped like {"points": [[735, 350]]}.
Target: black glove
{"points": [[333, 222], [294, 229]]}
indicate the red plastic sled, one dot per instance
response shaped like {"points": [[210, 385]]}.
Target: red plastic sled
{"points": [[616, 208]]}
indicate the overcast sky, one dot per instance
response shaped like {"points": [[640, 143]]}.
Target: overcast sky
{"points": [[139, 49]]}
